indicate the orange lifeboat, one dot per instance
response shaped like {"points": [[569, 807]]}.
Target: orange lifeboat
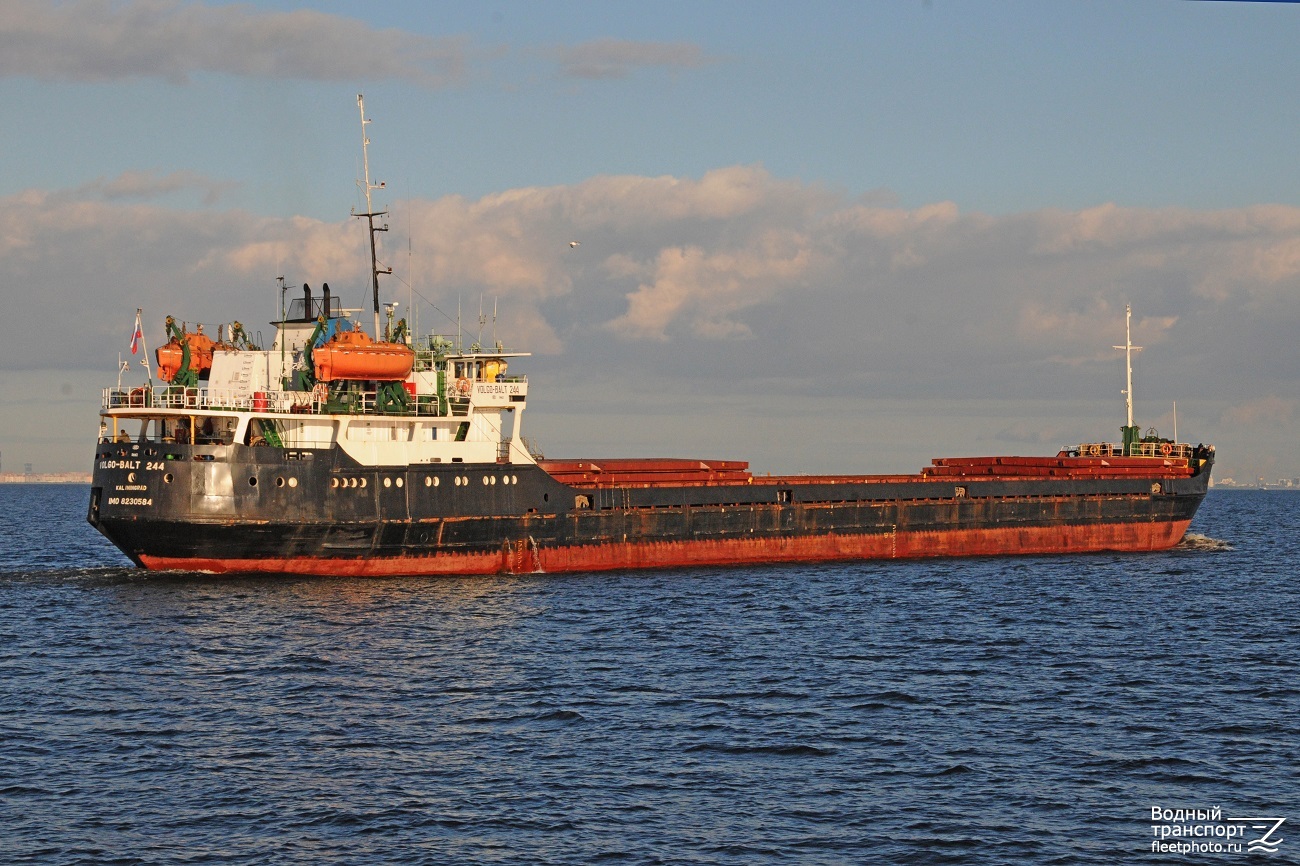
{"points": [[353, 355], [170, 355]]}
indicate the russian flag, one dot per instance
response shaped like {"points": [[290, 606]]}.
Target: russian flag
{"points": [[137, 336]]}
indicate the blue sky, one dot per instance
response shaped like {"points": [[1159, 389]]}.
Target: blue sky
{"points": [[999, 107], [804, 228]]}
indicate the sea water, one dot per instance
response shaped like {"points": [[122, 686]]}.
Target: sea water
{"points": [[993, 710]]}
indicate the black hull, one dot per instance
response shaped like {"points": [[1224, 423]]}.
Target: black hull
{"points": [[237, 508]]}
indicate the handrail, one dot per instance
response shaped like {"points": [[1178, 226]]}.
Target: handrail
{"points": [[203, 399], [291, 402], [1180, 450]]}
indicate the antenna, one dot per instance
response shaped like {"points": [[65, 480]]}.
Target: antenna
{"points": [[1130, 432], [371, 213], [482, 320], [144, 348], [284, 317], [410, 274]]}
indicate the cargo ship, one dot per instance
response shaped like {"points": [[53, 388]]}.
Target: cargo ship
{"points": [[339, 452]]}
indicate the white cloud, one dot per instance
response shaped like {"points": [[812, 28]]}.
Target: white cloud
{"points": [[735, 254], [1269, 411], [173, 40], [100, 40], [706, 288], [735, 283], [617, 58], [147, 185]]}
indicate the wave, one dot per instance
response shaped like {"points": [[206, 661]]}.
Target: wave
{"points": [[795, 749], [560, 716], [1196, 541]]}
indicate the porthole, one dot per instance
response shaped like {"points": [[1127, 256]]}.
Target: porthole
{"points": [[457, 480], [388, 482], [365, 481], [437, 481], [399, 482], [428, 482], [334, 482], [464, 479], [167, 479], [252, 481], [352, 482], [279, 481], [514, 479], [293, 482], [486, 481]]}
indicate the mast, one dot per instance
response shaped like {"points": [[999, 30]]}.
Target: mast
{"points": [[370, 213], [1130, 432]]}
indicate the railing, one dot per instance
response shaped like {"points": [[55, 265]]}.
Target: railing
{"points": [[145, 397], [1140, 449], [171, 397], [295, 402]]}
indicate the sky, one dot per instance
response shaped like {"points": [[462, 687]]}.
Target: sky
{"points": [[821, 237]]}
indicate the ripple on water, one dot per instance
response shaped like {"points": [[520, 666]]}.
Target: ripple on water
{"points": [[976, 711]]}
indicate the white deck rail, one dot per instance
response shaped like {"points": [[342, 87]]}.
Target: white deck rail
{"points": [[1140, 449]]}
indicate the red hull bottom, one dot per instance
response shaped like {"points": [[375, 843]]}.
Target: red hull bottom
{"points": [[524, 558]]}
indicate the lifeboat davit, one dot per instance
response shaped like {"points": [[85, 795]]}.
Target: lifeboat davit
{"points": [[353, 355], [170, 355]]}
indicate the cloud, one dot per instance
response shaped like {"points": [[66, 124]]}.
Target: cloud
{"points": [[618, 58], [746, 278], [706, 288], [148, 185], [1269, 411], [100, 40], [761, 298]]}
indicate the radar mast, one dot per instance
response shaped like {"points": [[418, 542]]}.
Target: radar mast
{"points": [[370, 213]]}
